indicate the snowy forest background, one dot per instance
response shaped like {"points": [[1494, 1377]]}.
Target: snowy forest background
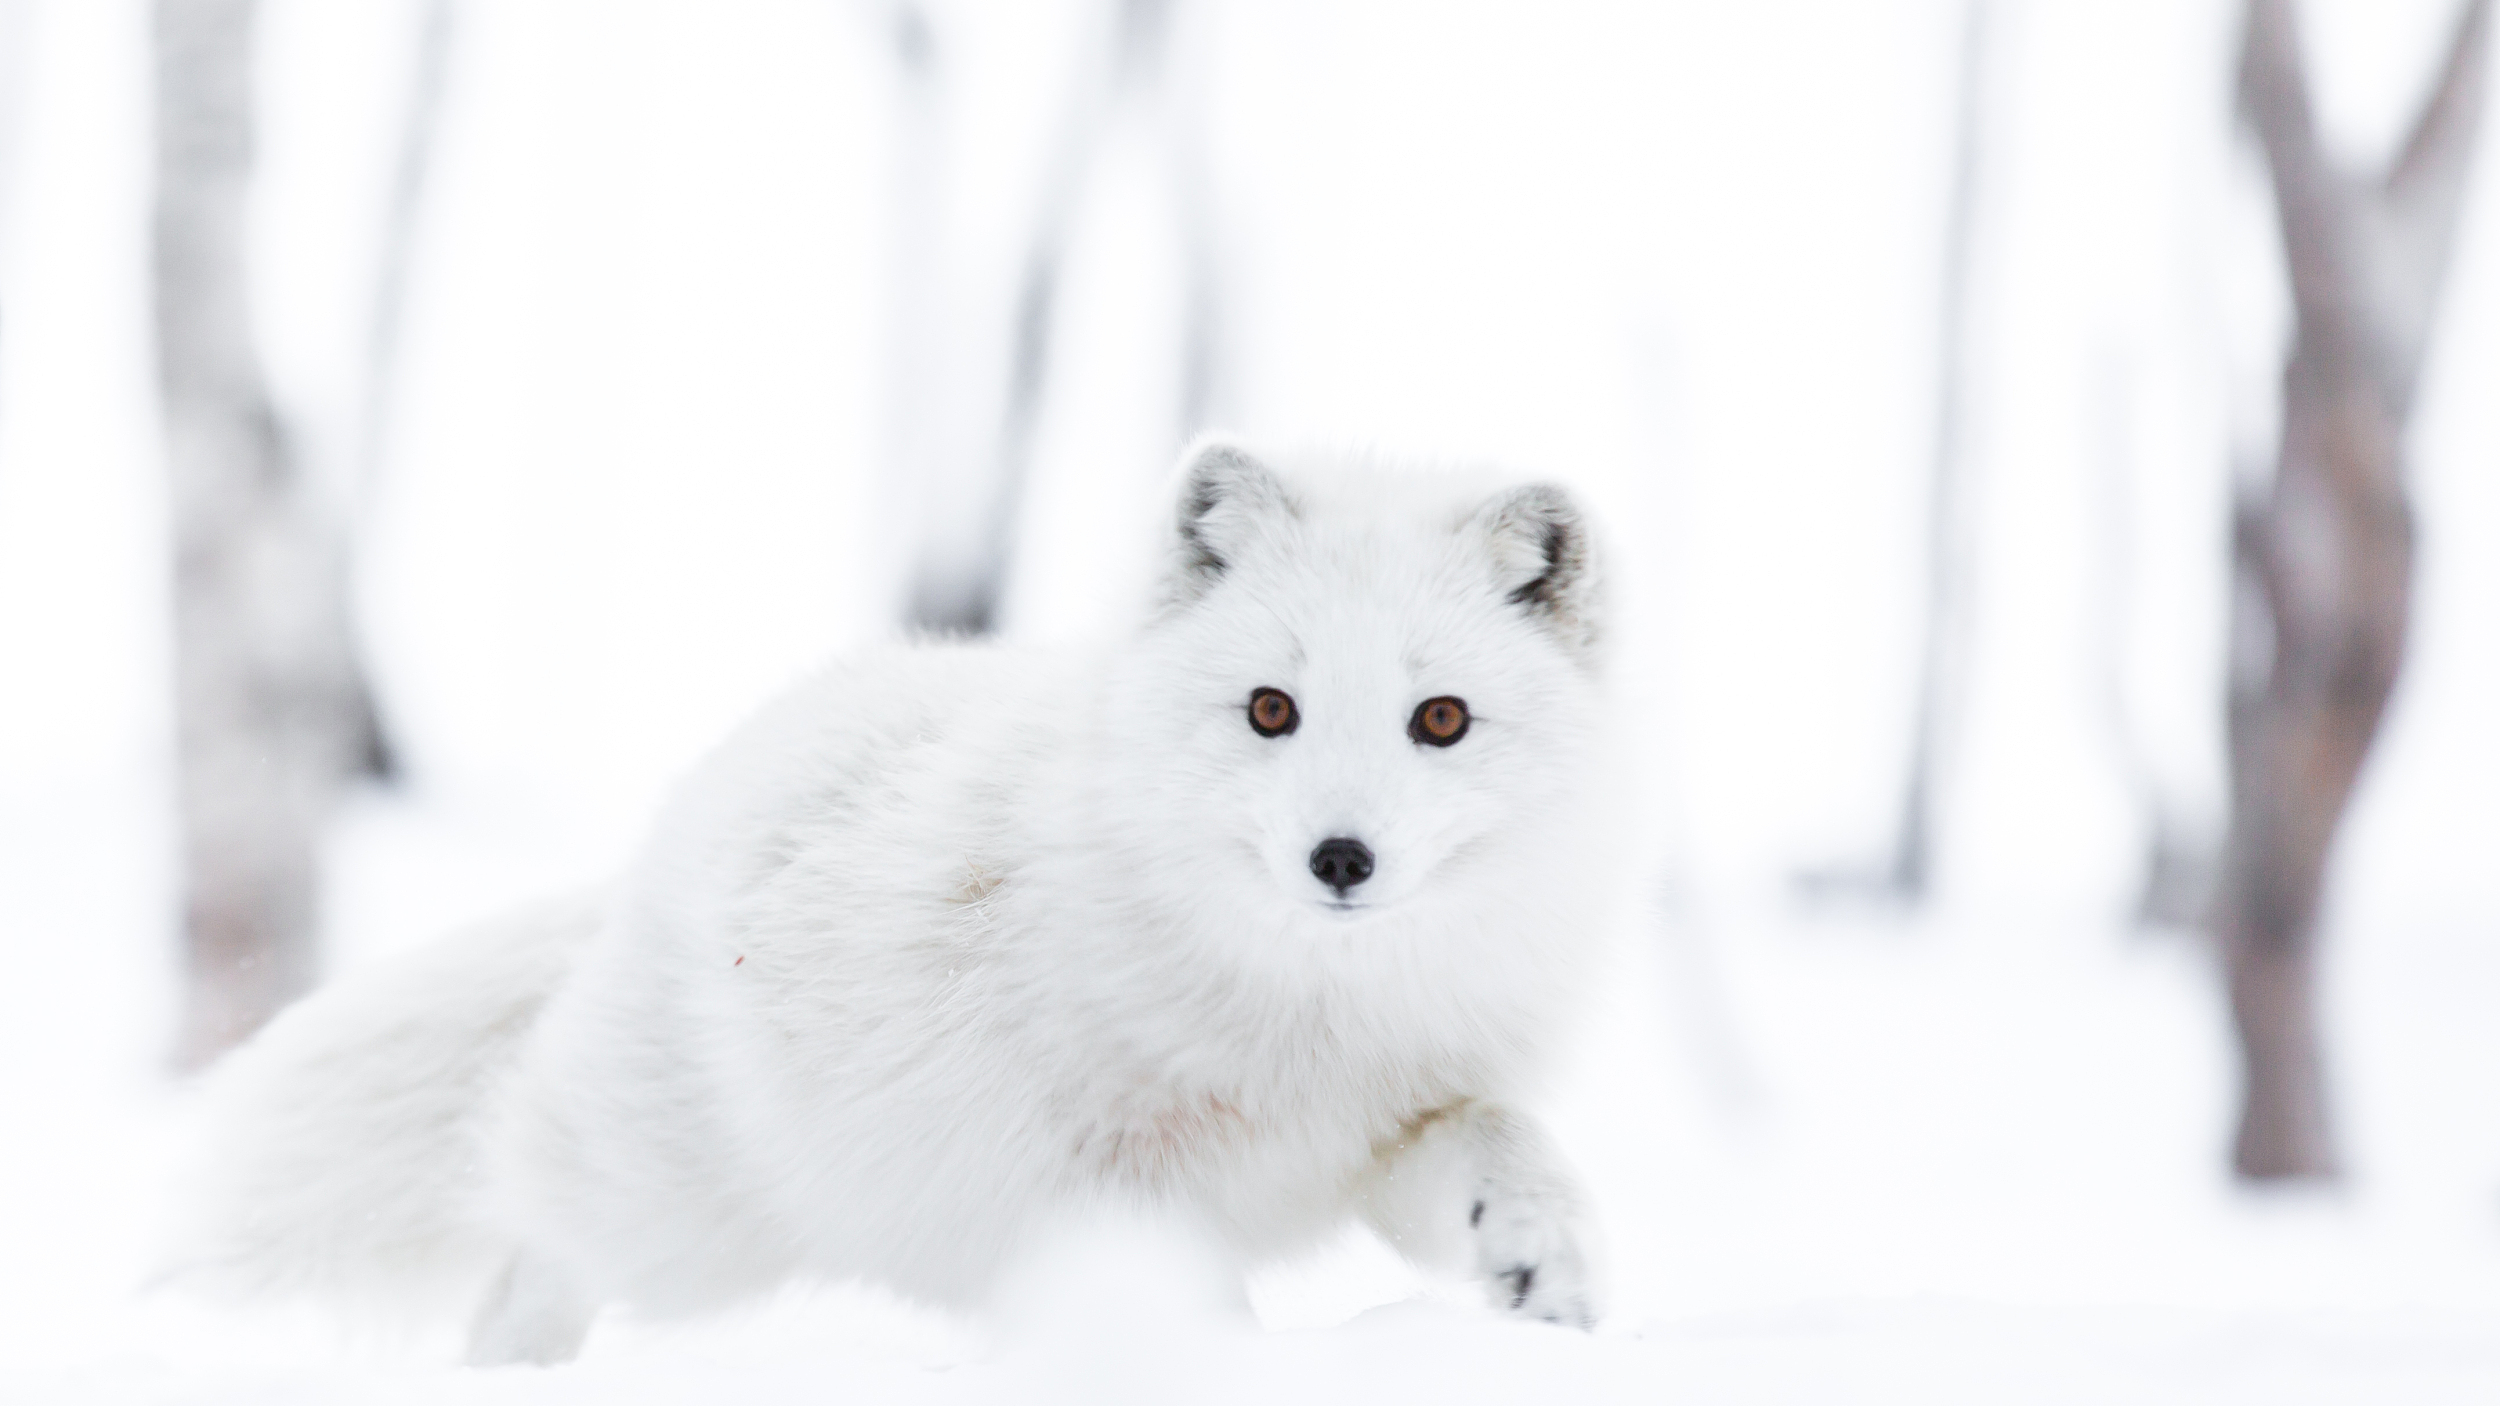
{"points": [[643, 354]]}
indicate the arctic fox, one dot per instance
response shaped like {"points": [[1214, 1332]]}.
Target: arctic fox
{"points": [[1262, 917]]}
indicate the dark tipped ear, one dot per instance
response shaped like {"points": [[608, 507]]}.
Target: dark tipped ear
{"points": [[1227, 498], [1543, 559]]}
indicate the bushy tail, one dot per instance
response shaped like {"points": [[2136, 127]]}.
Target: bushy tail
{"points": [[341, 1155]]}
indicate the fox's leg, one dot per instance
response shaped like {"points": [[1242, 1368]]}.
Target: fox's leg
{"points": [[1478, 1186], [532, 1314]]}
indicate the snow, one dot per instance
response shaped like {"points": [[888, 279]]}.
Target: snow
{"points": [[1941, 1166], [1683, 256]]}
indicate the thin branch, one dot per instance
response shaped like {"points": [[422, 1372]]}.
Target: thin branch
{"points": [[1141, 32], [2274, 94], [411, 172], [2443, 136], [2423, 196]]}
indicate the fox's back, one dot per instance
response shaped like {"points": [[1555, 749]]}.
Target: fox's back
{"points": [[815, 941]]}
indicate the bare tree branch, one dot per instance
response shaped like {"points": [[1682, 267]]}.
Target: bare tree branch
{"points": [[2424, 191], [2310, 207], [2442, 140]]}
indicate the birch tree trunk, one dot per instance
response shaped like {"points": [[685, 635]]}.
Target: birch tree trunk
{"points": [[271, 714], [2323, 556]]}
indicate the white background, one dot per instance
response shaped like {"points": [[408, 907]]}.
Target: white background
{"points": [[1685, 256]]}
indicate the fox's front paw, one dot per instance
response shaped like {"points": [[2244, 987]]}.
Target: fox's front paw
{"points": [[1531, 1259]]}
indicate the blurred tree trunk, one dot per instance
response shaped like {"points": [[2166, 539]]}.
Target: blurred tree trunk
{"points": [[1905, 871], [271, 713], [1911, 867], [2323, 555], [968, 544]]}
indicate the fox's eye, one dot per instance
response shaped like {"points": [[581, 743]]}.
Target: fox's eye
{"points": [[1438, 722], [1272, 713]]}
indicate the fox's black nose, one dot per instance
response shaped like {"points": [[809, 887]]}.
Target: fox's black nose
{"points": [[1341, 863]]}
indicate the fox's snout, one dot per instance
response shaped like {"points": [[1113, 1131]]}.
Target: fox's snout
{"points": [[1341, 862]]}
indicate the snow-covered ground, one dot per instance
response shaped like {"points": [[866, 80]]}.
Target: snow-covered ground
{"points": [[1974, 1159], [1683, 254]]}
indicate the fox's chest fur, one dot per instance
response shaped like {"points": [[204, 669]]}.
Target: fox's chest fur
{"points": [[1131, 1053]]}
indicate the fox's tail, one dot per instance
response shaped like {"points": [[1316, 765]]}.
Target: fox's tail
{"points": [[341, 1156]]}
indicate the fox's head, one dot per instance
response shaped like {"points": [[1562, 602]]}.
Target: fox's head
{"points": [[1364, 692]]}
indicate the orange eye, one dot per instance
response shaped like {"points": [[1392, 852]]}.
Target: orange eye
{"points": [[1438, 722], [1272, 713]]}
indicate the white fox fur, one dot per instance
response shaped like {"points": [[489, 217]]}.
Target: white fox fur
{"points": [[957, 939]]}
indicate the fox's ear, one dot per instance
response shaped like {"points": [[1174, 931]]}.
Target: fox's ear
{"points": [[1544, 560], [1227, 500]]}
